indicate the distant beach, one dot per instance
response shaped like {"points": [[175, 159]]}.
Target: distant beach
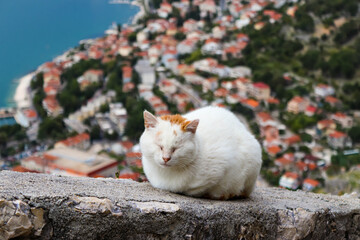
{"points": [[22, 95], [32, 39]]}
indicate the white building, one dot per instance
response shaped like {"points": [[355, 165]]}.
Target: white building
{"points": [[146, 72]]}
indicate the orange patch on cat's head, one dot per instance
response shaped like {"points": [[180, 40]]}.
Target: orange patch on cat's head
{"points": [[176, 119]]}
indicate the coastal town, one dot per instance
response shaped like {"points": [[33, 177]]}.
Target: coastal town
{"points": [[81, 113]]}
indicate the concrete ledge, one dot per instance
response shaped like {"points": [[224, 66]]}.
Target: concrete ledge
{"points": [[37, 206]]}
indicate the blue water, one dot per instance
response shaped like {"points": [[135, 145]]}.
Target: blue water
{"points": [[7, 121], [35, 31]]}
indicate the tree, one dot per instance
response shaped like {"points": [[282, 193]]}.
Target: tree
{"points": [[311, 59], [194, 56], [112, 136], [52, 128], [342, 63], [135, 123], [179, 36], [104, 108], [3, 139], [304, 21], [95, 132], [306, 137], [347, 31], [37, 101], [354, 133], [38, 81], [132, 37]]}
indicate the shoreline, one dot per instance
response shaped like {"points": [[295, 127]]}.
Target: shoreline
{"points": [[141, 12], [22, 96]]}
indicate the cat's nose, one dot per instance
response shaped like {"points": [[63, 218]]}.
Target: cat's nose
{"points": [[166, 159]]}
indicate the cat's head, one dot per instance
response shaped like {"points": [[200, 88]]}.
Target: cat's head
{"points": [[171, 139]]}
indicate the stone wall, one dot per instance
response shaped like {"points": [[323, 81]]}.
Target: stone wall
{"points": [[37, 206]]}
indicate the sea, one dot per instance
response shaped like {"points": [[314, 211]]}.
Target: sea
{"points": [[35, 31]]}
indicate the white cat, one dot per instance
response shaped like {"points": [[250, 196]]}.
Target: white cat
{"points": [[205, 153]]}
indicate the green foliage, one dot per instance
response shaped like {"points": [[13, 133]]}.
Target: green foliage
{"points": [[37, 101], [113, 136], [306, 137], [79, 68], [246, 112], [52, 128], [95, 132], [179, 36], [347, 31], [270, 177], [71, 97], [104, 108], [331, 7], [354, 133], [311, 60], [342, 63], [171, 106], [194, 56], [9, 133], [255, 128], [345, 161], [194, 13], [304, 21], [115, 80], [37, 82], [351, 95], [304, 149], [297, 122], [132, 37], [135, 123]]}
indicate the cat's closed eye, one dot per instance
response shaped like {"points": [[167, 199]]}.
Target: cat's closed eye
{"points": [[161, 148], [173, 150]]}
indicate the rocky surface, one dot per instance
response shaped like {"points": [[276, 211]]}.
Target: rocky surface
{"points": [[37, 206]]}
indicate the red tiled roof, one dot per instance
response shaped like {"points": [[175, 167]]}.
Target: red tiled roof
{"points": [[312, 182], [283, 161], [264, 116], [29, 113], [261, 85], [340, 115], [127, 144], [221, 92], [291, 175], [331, 99], [311, 108], [293, 139], [297, 99], [337, 134], [301, 166], [95, 72], [312, 166], [326, 123], [274, 150], [133, 155], [133, 176], [20, 168], [71, 141], [252, 103], [272, 100]]}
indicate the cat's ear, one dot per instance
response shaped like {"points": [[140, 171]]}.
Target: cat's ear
{"points": [[192, 126], [150, 120]]}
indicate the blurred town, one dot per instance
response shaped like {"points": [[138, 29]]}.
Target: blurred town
{"points": [[288, 69]]}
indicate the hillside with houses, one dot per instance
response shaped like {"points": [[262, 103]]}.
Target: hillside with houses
{"points": [[289, 69]]}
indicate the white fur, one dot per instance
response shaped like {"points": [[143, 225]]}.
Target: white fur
{"points": [[220, 160]]}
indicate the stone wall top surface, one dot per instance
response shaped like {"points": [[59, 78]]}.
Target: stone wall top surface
{"points": [[58, 207]]}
